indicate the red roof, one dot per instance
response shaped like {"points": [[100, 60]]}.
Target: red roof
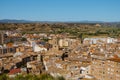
{"points": [[14, 71]]}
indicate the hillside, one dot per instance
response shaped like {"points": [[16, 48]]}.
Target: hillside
{"points": [[86, 29]]}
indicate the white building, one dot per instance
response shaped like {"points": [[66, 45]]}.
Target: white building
{"points": [[36, 48], [99, 40]]}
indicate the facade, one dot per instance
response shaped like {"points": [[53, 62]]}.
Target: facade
{"points": [[6, 38], [106, 69], [63, 43], [99, 40], [7, 50], [54, 43]]}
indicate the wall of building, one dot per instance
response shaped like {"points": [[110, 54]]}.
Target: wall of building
{"points": [[105, 69]]}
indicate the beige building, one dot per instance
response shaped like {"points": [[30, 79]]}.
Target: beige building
{"points": [[54, 43], [106, 69], [63, 43]]}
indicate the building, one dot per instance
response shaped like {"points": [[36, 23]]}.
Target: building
{"points": [[5, 37], [5, 50], [2, 36], [63, 43], [54, 43], [99, 40], [106, 69]]}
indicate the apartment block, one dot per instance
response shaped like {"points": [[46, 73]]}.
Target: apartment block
{"points": [[106, 69]]}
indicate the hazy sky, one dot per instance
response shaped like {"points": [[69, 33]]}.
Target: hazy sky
{"points": [[61, 10]]}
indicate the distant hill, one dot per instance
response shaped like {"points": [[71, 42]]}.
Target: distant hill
{"points": [[86, 21], [14, 21], [28, 21], [24, 21]]}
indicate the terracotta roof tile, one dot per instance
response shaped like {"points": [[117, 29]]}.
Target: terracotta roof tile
{"points": [[14, 71]]}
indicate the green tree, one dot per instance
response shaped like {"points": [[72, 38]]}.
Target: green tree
{"points": [[60, 78], [23, 39], [4, 77], [46, 77]]}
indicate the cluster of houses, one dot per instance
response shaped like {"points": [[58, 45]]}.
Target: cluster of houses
{"points": [[60, 55]]}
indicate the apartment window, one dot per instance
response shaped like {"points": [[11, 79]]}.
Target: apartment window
{"points": [[4, 51], [103, 72], [75, 66], [103, 63], [110, 77], [81, 71], [117, 71]]}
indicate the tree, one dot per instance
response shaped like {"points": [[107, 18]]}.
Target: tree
{"points": [[19, 77], [4, 77], [23, 39], [81, 37], [60, 78], [46, 77]]}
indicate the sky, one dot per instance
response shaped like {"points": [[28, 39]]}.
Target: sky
{"points": [[60, 10]]}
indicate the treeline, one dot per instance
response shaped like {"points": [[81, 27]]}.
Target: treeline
{"points": [[31, 77], [39, 26], [74, 29]]}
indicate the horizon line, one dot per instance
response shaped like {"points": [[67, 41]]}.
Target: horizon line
{"points": [[59, 20]]}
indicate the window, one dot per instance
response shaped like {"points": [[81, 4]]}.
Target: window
{"points": [[103, 72], [102, 62], [117, 71]]}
